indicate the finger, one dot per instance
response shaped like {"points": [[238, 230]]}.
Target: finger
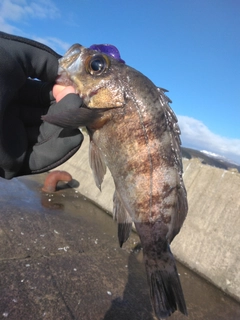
{"points": [[13, 138], [36, 94], [53, 152], [36, 59], [32, 135], [59, 92], [70, 102], [31, 115]]}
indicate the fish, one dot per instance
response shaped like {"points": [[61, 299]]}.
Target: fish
{"points": [[135, 134]]}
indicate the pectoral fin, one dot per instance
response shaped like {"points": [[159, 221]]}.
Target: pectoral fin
{"points": [[97, 164], [123, 219]]}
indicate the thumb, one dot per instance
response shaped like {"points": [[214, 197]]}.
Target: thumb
{"points": [[53, 152]]}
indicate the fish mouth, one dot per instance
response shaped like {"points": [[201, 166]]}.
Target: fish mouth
{"points": [[71, 60], [64, 80], [69, 64]]}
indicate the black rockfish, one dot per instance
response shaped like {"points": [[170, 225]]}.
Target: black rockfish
{"points": [[134, 132]]}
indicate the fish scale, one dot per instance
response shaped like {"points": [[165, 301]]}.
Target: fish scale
{"points": [[134, 132]]}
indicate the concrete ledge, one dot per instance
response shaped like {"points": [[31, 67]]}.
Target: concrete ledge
{"points": [[209, 241]]}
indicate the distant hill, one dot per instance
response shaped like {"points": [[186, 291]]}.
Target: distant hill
{"points": [[209, 159]]}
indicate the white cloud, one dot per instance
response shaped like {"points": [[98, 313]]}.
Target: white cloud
{"points": [[43, 9], [16, 10], [195, 134], [56, 44], [12, 10], [6, 27], [21, 11]]}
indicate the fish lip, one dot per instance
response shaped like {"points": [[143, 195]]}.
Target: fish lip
{"points": [[73, 51], [70, 57], [69, 64], [64, 80]]}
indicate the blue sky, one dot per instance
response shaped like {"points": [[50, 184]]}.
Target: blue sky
{"points": [[190, 47]]}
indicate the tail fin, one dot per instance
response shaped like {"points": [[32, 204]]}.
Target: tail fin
{"points": [[165, 287], [165, 290]]}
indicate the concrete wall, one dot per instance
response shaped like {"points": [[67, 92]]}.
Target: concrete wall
{"points": [[209, 241]]}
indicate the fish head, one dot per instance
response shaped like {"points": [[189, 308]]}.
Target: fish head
{"points": [[95, 75]]}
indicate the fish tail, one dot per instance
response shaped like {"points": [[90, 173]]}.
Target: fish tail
{"points": [[165, 287]]}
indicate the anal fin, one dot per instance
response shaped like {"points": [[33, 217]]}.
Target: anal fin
{"points": [[123, 219]]}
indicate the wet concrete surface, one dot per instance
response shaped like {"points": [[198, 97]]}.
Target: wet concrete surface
{"points": [[59, 259]]}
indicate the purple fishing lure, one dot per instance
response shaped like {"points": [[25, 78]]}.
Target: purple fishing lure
{"points": [[108, 49]]}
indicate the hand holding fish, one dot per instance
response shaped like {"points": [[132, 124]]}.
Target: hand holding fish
{"points": [[59, 92], [26, 144], [134, 132]]}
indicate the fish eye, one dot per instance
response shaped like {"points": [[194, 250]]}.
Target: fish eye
{"points": [[97, 64]]}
